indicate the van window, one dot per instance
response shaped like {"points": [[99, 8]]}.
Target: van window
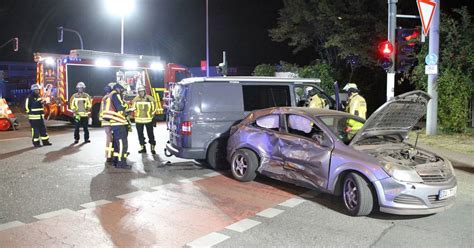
{"points": [[178, 97], [221, 97], [265, 96]]}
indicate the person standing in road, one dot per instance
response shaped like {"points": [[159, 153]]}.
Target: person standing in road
{"points": [[109, 149], [144, 106], [35, 111], [114, 112], [81, 104], [356, 104]]}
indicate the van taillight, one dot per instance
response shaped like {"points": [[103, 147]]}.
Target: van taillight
{"points": [[186, 128]]}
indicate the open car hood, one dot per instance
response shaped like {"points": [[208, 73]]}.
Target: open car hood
{"points": [[397, 116]]}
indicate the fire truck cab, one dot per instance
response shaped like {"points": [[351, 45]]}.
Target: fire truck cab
{"points": [[58, 75]]}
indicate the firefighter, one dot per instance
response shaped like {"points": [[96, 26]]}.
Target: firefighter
{"points": [[314, 100], [144, 106], [109, 149], [114, 112], [81, 104], [34, 109], [356, 104]]}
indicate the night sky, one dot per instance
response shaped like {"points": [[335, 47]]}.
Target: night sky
{"points": [[172, 29]]}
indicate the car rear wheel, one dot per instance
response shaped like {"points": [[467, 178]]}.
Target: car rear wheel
{"points": [[357, 196], [244, 165]]}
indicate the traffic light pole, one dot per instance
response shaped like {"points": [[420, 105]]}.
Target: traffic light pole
{"points": [[432, 111], [392, 23]]}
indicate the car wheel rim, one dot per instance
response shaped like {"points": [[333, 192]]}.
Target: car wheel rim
{"points": [[350, 194], [240, 165]]}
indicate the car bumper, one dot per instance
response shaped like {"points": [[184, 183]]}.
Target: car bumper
{"points": [[189, 153], [404, 198]]}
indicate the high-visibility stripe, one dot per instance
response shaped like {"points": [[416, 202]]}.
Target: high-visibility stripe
{"points": [[26, 105], [36, 140], [44, 138], [32, 132], [118, 124], [120, 150], [110, 150], [37, 109]]}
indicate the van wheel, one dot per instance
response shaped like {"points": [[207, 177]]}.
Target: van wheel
{"points": [[95, 115], [244, 165], [357, 196], [216, 154]]}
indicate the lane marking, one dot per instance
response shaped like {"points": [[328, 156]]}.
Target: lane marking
{"points": [[209, 240], [293, 202], [160, 187], [189, 180], [132, 194], [243, 225], [270, 212], [52, 214], [95, 203], [212, 174], [12, 224]]}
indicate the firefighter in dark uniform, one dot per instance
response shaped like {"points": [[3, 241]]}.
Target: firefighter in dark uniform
{"points": [[34, 109], [81, 104], [144, 106], [109, 148], [114, 112]]}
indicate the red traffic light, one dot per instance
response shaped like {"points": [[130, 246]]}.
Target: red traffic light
{"points": [[386, 48]]}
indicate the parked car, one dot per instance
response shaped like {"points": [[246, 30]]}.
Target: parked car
{"points": [[367, 163], [202, 111]]}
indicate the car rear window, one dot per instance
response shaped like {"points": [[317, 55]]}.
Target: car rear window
{"points": [[265, 96]]}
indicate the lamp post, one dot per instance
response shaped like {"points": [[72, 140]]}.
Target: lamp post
{"points": [[207, 38], [121, 8]]}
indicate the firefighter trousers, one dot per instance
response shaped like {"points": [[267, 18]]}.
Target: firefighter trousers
{"points": [[38, 131], [149, 131], [119, 134], [109, 147], [78, 123]]}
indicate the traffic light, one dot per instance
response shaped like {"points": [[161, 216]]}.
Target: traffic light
{"points": [[385, 50], [408, 46], [15, 44], [60, 34], [222, 68]]}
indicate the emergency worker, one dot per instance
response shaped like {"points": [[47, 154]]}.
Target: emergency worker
{"points": [[34, 109], [356, 104], [144, 106], [109, 148], [81, 104], [314, 100], [114, 112]]}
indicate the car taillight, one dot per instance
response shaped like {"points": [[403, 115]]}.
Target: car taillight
{"points": [[186, 128]]}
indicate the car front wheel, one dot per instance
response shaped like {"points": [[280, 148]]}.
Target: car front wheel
{"points": [[244, 165], [357, 195]]}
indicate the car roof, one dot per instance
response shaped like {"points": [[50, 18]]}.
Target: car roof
{"points": [[237, 79], [301, 110]]}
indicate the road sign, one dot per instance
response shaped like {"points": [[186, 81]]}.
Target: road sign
{"points": [[203, 65], [431, 69], [426, 9], [431, 59]]}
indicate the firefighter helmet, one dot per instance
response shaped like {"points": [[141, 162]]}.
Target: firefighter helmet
{"points": [[350, 86], [141, 88], [119, 86], [81, 85], [35, 87]]}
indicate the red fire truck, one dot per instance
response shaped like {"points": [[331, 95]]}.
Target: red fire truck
{"points": [[58, 75]]}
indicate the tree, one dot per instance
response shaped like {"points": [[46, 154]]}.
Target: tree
{"points": [[264, 70], [321, 71], [456, 70]]}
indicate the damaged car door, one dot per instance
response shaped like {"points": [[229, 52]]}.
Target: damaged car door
{"points": [[306, 151]]}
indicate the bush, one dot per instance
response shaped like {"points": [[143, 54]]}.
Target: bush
{"points": [[265, 70], [322, 71]]}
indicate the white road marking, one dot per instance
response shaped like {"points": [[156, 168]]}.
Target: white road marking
{"points": [[9, 225], [209, 240], [189, 180], [132, 194], [293, 202], [94, 203], [160, 187], [54, 214], [243, 225], [212, 174], [270, 212]]}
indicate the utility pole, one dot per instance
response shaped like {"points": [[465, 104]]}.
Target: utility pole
{"points": [[432, 111], [207, 38], [392, 23]]}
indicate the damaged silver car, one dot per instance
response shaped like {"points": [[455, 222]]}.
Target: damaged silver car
{"points": [[368, 163]]}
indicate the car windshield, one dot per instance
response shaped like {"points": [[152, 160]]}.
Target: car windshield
{"points": [[342, 126]]}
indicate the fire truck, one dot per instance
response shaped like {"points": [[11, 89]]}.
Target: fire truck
{"points": [[58, 75]]}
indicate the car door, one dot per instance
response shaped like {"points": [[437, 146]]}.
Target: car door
{"points": [[306, 151]]}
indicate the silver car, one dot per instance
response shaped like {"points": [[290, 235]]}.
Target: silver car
{"points": [[369, 164]]}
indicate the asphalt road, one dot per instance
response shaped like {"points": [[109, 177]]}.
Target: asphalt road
{"points": [[65, 176]]}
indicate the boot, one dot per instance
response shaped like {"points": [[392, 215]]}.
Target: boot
{"points": [[142, 149], [47, 143], [152, 148], [36, 144]]}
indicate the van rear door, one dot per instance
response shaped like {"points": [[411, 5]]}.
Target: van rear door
{"points": [[175, 114]]}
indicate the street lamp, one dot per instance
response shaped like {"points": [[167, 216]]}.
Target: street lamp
{"points": [[120, 8]]}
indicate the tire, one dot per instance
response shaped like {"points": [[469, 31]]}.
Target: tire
{"points": [[244, 165], [95, 115], [216, 155], [357, 195]]}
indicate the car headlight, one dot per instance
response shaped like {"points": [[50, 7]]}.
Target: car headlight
{"points": [[401, 173]]}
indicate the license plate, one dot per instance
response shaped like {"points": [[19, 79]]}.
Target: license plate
{"points": [[446, 193]]}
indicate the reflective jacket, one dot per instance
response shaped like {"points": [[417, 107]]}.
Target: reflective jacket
{"points": [[144, 109], [34, 107], [81, 104], [103, 104], [356, 105], [114, 111], [316, 102]]}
